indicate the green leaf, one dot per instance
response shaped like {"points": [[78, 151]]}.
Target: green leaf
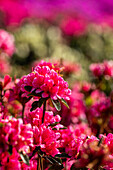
{"points": [[32, 94], [37, 148], [54, 124], [54, 128], [56, 104], [28, 88], [56, 163], [24, 158], [65, 103], [1, 124], [36, 104], [63, 155], [51, 168], [100, 141], [53, 160], [63, 128], [88, 101]]}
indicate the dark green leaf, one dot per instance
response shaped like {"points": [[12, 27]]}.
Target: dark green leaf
{"points": [[36, 104], [56, 104], [62, 155], [100, 141], [63, 128], [32, 94], [51, 168], [54, 124], [24, 158], [54, 128], [53, 160], [10, 149], [65, 103], [28, 88], [37, 148]]}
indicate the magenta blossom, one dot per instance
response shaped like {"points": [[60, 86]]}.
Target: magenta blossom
{"points": [[73, 26], [45, 80], [14, 133], [5, 67], [6, 43], [47, 139], [35, 117], [102, 69]]}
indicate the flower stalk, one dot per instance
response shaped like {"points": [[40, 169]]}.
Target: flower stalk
{"points": [[44, 109]]}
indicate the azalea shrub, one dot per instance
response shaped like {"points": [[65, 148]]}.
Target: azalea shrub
{"points": [[47, 124]]}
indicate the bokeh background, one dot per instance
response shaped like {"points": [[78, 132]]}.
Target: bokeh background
{"points": [[68, 31]]}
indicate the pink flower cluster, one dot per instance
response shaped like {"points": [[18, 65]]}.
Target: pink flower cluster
{"points": [[102, 69], [47, 139], [43, 134], [14, 133], [45, 80], [73, 26], [6, 43], [85, 142], [93, 154], [35, 117]]}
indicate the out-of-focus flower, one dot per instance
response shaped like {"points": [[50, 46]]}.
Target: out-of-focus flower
{"points": [[73, 26], [102, 69], [6, 43], [14, 11], [86, 86], [5, 67], [93, 154]]}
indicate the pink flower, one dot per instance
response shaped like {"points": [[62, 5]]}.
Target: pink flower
{"points": [[32, 166], [92, 149], [97, 96], [97, 69], [105, 69], [14, 133], [4, 66], [47, 139], [73, 26], [6, 43], [13, 161], [86, 86], [45, 80], [35, 117], [69, 141], [100, 107], [108, 140]]}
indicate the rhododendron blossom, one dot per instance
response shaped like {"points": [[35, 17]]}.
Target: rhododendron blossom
{"points": [[33, 135], [14, 133], [45, 80], [6, 43], [47, 139], [105, 68]]}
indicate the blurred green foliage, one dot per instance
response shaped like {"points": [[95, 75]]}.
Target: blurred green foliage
{"points": [[46, 41]]}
